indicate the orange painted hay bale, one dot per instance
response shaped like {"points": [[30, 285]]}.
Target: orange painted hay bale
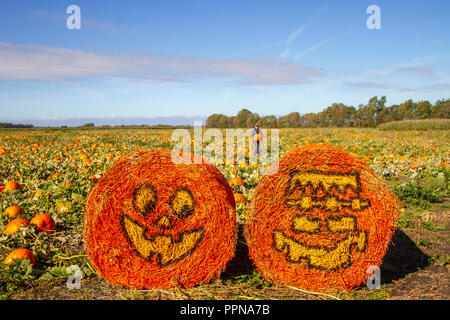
{"points": [[150, 223], [320, 221]]}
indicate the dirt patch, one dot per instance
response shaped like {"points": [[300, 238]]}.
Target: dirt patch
{"points": [[56, 289], [431, 283], [415, 267]]}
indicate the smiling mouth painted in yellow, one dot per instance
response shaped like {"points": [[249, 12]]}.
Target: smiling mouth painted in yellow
{"points": [[320, 257], [166, 249]]}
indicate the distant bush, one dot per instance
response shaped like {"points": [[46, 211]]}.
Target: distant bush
{"points": [[428, 124], [15, 125]]}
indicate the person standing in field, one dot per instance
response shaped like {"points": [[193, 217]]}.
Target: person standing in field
{"points": [[257, 138]]}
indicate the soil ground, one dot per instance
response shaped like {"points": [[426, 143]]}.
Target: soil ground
{"points": [[416, 266]]}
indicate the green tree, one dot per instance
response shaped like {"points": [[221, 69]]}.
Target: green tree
{"points": [[240, 121], [252, 119], [388, 114], [292, 120], [366, 115], [445, 111], [217, 121], [309, 120], [337, 115], [441, 109], [422, 110], [268, 122], [406, 110]]}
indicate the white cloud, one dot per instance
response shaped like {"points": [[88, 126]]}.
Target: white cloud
{"points": [[43, 63]]}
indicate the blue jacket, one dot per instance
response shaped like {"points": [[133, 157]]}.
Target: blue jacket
{"points": [[254, 132]]}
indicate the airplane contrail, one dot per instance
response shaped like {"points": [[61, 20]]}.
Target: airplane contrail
{"points": [[317, 46], [290, 40], [258, 48]]}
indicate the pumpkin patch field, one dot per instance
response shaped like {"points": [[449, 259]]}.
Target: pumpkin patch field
{"points": [[47, 175]]}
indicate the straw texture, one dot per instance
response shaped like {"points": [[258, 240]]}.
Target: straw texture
{"points": [[150, 223], [320, 221]]}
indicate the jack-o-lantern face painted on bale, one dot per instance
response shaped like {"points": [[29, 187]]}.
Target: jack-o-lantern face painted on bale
{"points": [[321, 220], [151, 223]]}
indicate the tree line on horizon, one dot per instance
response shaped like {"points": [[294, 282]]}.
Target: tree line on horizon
{"points": [[371, 114], [92, 125], [15, 125]]}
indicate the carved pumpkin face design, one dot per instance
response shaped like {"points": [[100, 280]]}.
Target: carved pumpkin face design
{"points": [[310, 191], [152, 223], [320, 221], [165, 248]]}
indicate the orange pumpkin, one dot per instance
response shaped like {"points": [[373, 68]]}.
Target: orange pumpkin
{"points": [[14, 225], [151, 223], [239, 198], [12, 185], [14, 211], [236, 181], [320, 221], [44, 223], [20, 254]]}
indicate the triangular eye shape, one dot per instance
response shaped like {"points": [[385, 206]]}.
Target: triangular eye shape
{"points": [[144, 199], [182, 203]]}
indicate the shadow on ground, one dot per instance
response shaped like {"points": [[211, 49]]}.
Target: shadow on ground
{"points": [[402, 258], [241, 264]]}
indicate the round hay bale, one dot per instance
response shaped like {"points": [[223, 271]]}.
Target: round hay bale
{"points": [[320, 221], [151, 223]]}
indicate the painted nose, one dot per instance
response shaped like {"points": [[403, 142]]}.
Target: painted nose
{"points": [[165, 222]]}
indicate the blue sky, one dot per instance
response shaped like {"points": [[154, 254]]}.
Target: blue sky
{"points": [[194, 58]]}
